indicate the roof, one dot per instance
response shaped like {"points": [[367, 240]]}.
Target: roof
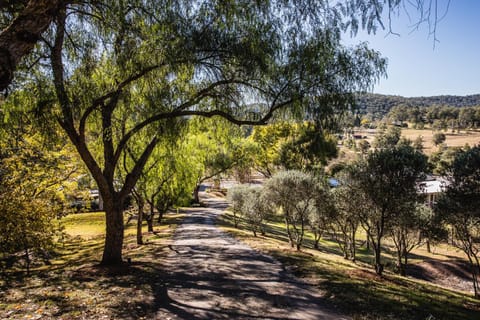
{"points": [[434, 185]]}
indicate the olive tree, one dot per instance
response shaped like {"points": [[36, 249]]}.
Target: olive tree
{"points": [[294, 194], [388, 178]]}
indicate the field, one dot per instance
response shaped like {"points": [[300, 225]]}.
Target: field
{"points": [[452, 139], [355, 289]]}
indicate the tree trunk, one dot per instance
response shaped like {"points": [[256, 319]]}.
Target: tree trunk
{"points": [[428, 246], [289, 233], [149, 219], [140, 203], [316, 237], [112, 251], [353, 248], [400, 265], [27, 260], [160, 215], [21, 36], [235, 218], [196, 198], [378, 259]]}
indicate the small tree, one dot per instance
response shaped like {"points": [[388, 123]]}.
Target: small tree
{"points": [[439, 138], [255, 210], [237, 196], [350, 205], [293, 192], [388, 178], [320, 216], [410, 227]]}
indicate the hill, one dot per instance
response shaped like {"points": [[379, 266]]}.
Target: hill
{"points": [[379, 104]]}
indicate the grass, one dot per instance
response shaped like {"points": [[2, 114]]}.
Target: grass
{"points": [[456, 139], [74, 286], [354, 288]]}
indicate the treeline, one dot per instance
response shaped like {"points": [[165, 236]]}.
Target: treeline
{"points": [[379, 105], [437, 117]]}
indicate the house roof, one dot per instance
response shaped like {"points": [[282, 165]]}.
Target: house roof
{"points": [[434, 185]]}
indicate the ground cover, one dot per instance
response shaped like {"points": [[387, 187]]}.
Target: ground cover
{"points": [[73, 286], [355, 288]]}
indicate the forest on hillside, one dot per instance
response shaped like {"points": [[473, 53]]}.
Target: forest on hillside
{"points": [[379, 105]]}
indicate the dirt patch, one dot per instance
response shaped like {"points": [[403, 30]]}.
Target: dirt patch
{"points": [[364, 274], [451, 274]]}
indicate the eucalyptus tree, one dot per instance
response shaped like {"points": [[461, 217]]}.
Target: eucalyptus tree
{"points": [[161, 60]]}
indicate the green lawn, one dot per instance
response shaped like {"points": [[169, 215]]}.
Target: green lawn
{"points": [[354, 288]]}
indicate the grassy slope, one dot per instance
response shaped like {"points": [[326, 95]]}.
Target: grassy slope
{"points": [[354, 288], [74, 286]]}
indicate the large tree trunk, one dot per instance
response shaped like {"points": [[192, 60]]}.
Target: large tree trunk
{"points": [[20, 37], [112, 251]]}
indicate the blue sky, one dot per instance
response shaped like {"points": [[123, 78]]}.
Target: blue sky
{"points": [[416, 67]]}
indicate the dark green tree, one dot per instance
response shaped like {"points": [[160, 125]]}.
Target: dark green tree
{"points": [[388, 178], [459, 207]]}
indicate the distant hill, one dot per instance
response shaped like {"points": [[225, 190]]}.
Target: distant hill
{"points": [[380, 104]]}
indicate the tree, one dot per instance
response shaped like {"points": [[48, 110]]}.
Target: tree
{"points": [[459, 206], [364, 146], [268, 141], [410, 228], [293, 192], [237, 196], [320, 215], [438, 138], [113, 71], [308, 149], [256, 209], [388, 178], [350, 205], [34, 183], [387, 138]]}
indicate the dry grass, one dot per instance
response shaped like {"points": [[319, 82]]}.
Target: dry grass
{"points": [[452, 139]]}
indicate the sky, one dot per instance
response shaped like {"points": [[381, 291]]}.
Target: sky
{"points": [[420, 66]]}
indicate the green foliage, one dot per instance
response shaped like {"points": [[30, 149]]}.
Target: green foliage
{"points": [[294, 193], [34, 184], [439, 138], [388, 178], [460, 207], [387, 138]]}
